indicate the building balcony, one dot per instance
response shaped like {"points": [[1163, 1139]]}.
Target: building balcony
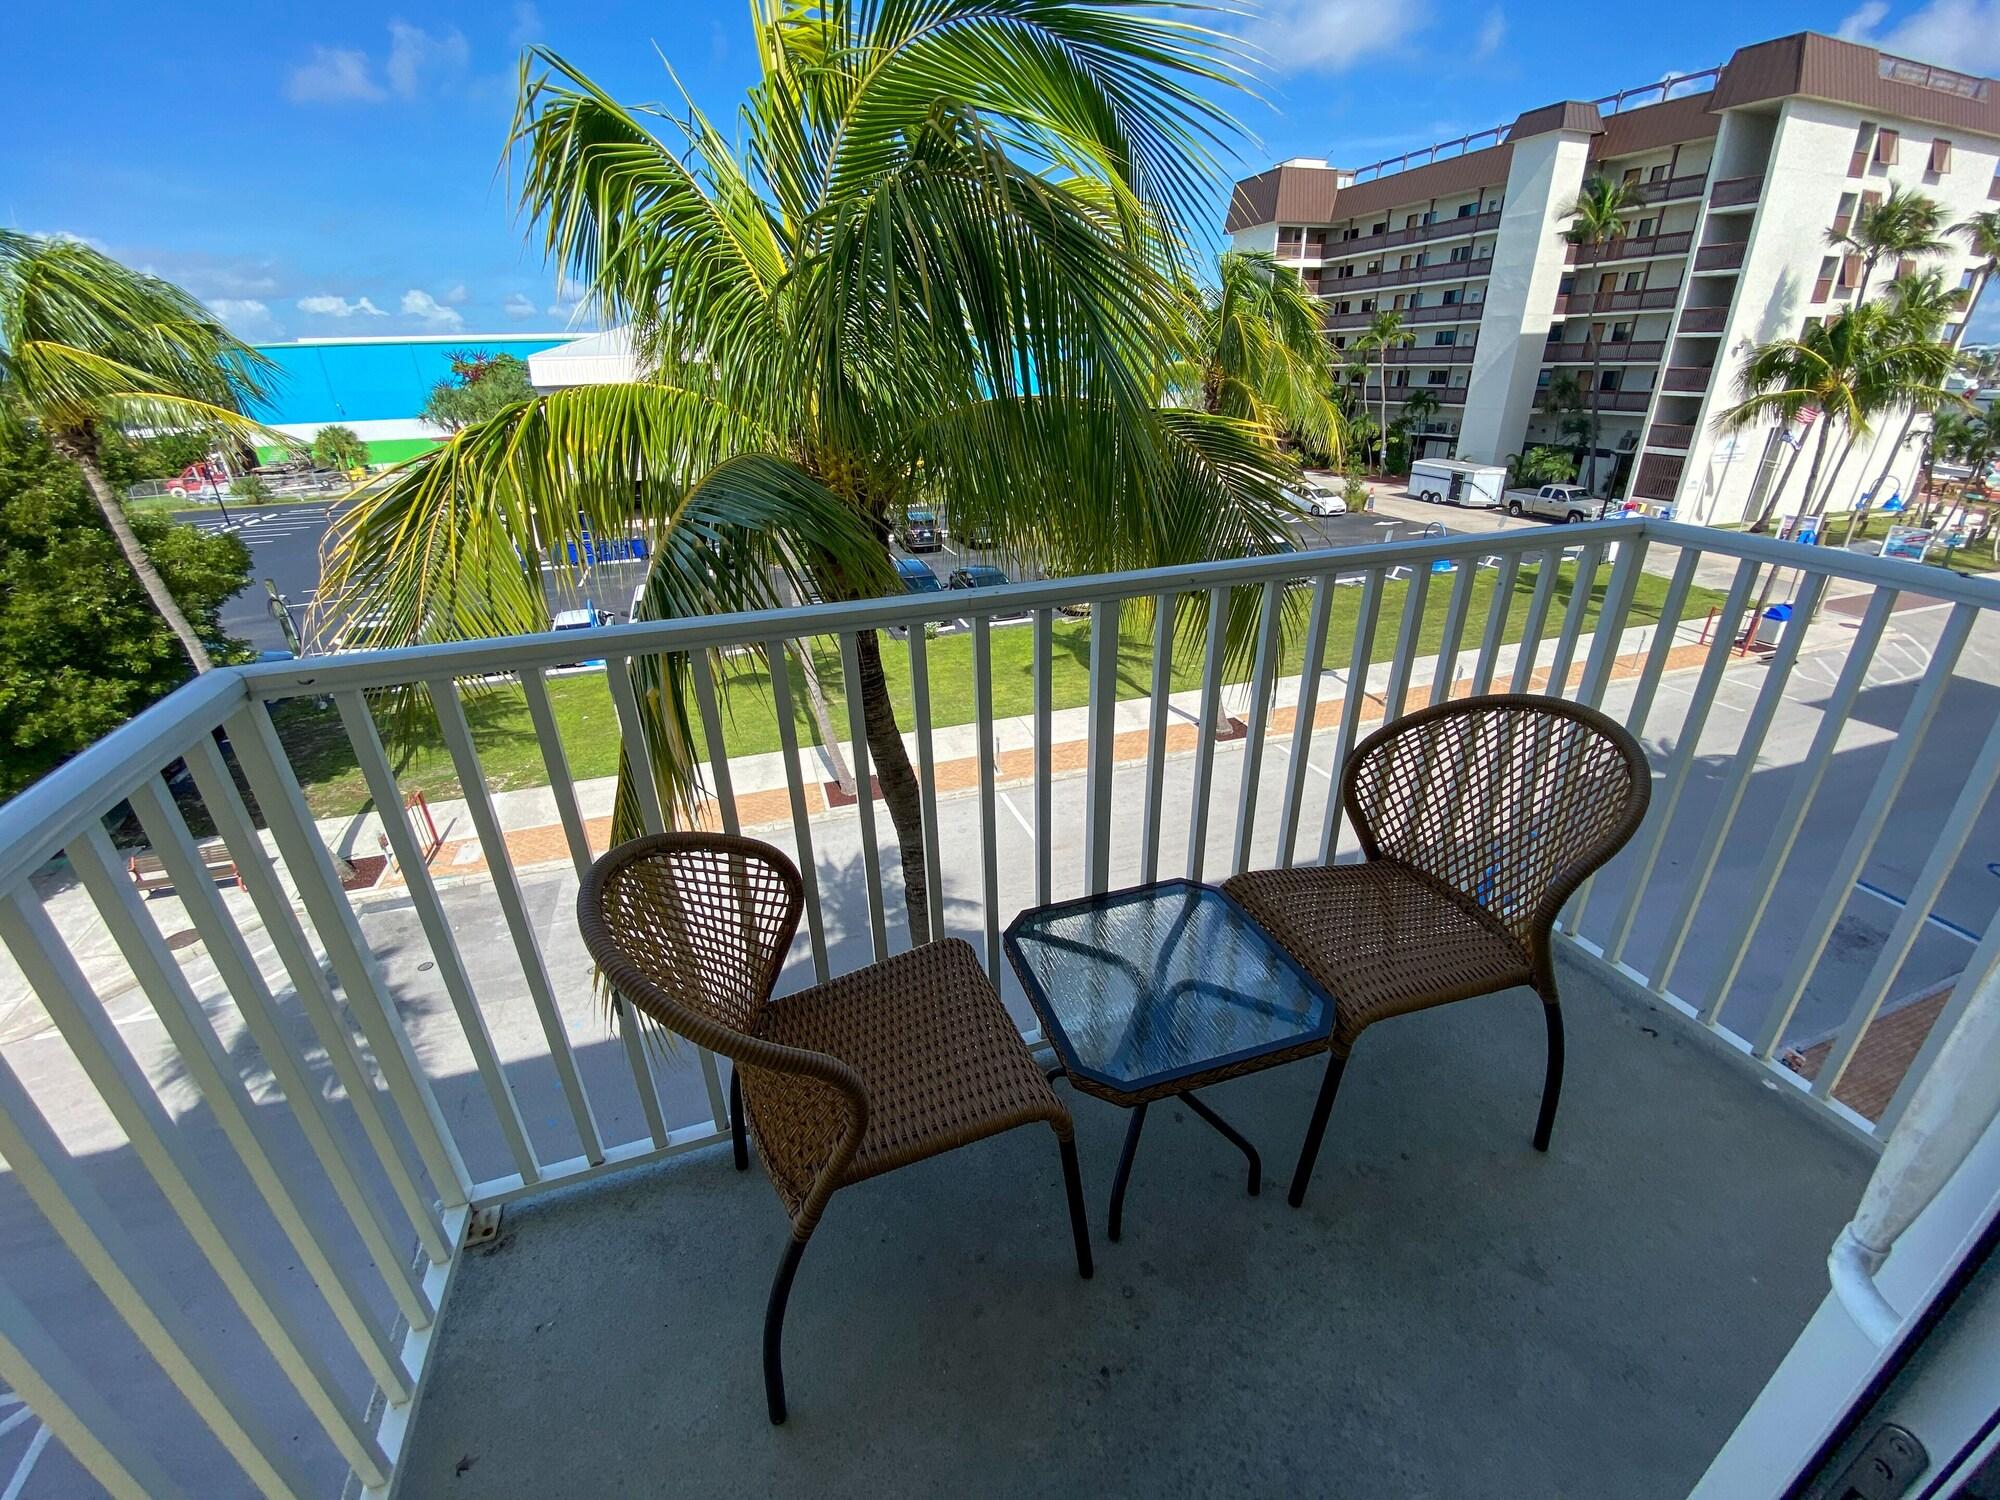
{"points": [[1687, 379], [1638, 299], [1443, 270], [1736, 192], [1677, 437], [1428, 354], [1613, 352], [340, 1173], [1442, 229], [1451, 312], [1723, 257], [1659, 476], [1669, 189], [1633, 247], [1621, 401], [1704, 319]]}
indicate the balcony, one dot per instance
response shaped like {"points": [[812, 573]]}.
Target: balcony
{"points": [[1677, 437], [1687, 379], [334, 1134], [1736, 192], [1704, 319], [1443, 270], [1614, 352], [1638, 299], [1669, 189], [1428, 354], [1420, 234], [1621, 400], [1723, 257], [1634, 247], [1659, 477], [1451, 312]]}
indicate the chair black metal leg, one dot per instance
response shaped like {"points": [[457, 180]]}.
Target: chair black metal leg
{"points": [[1230, 1133], [736, 1121], [1118, 1182], [1079, 1224], [1322, 1107], [1552, 1083], [774, 1330]]}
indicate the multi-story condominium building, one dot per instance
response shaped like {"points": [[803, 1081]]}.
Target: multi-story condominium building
{"points": [[1739, 173]]}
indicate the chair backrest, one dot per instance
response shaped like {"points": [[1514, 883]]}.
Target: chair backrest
{"points": [[1511, 800], [693, 928]]}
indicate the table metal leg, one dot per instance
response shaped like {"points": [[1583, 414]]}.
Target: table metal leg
{"points": [[1235, 1137], [1117, 1215]]}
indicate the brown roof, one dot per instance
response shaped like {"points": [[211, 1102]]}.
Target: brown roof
{"points": [[1570, 114], [1285, 194], [1442, 179], [1823, 67], [1651, 126]]}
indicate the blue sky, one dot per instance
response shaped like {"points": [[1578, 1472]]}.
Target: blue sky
{"points": [[319, 171]]}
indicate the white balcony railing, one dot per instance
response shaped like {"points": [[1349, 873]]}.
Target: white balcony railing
{"points": [[333, 1237]]}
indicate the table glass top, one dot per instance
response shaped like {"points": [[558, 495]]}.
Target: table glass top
{"points": [[1138, 987]]}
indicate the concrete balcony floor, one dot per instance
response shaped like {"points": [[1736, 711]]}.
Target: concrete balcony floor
{"points": [[1450, 1315]]}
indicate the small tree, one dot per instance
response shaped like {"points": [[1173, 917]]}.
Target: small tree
{"points": [[1903, 223], [337, 447], [1539, 466], [481, 386], [1386, 332], [1596, 219], [1264, 353]]}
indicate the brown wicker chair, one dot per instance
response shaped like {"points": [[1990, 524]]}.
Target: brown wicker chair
{"points": [[1478, 819], [880, 1068]]}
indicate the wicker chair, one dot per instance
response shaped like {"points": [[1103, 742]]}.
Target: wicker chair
{"points": [[880, 1068], [1478, 819]]}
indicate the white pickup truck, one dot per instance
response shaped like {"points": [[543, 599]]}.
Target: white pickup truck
{"points": [[1557, 502]]}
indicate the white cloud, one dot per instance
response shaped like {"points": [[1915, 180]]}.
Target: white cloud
{"points": [[336, 75], [1960, 34], [413, 52], [456, 296], [435, 315], [244, 314], [1331, 35], [527, 26], [1492, 35], [518, 306], [325, 306]]}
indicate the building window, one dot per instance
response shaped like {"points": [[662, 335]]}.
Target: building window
{"points": [[1850, 272], [1450, 298], [1411, 221], [1461, 252], [1885, 147], [1621, 333], [1350, 233], [1646, 228], [1863, 140], [1436, 377], [1905, 268], [1555, 333], [1374, 267], [1343, 307], [1380, 228], [1631, 175], [1402, 378], [1465, 210], [1829, 267], [1344, 272], [1445, 337], [1940, 157], [1634, 280], [1368, 304], [1870, 199], [1542, 379], [1658, 174], [1608, 380]]}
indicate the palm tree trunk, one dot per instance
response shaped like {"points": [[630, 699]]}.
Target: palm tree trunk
{"points": [[1763, 521], [900, 792], [1596, 400], [1832, 481], [81, 450], [1771, 578], [1382, 432], [829, 737]]}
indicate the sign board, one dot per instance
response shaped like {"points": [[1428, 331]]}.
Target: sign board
{"points": [[1908, 542]]}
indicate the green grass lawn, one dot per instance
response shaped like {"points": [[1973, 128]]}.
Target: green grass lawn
{"points": [[512, 758], [1978, 558]]}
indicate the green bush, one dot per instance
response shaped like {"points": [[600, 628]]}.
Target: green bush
{"points": [[1540, 466], [249, 489]]}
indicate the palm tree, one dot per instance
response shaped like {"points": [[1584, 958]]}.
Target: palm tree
{"points": [[1850, 368], [940, 255], [1922, 305], [1982, 238], [1384, 332], [1902, 224], [1418, 408], [1264, 356], [89, 346], [1596, 219]]}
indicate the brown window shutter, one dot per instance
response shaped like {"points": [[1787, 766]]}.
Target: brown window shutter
{"points": [[1822, 289], [1850, 270], [1870, 199], [1905, 267], [1885, 147], [1940, 155]]}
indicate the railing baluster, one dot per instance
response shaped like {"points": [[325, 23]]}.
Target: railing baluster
{"points": [[255, 875], [1263, 675], [1302, 718], [788, 740], [262, 757], [638, 758], [864, 794], [1445, 677], [1810, 941], [1210, 724], [1919, 902], [514, 909], [1100, 739], [1769, 698], [989, 839], [1416, 592], [1530, 645], [1496, 622], [1610, 630], [720, 781], [1581, 582], [94, 1432], [563, 789], [1045, 834], [920, 700], [1784, 832], [1156, 737], [124, 1273], [101, 1052], [168, 834], [388, 796], [1353, 700], [1660, 816]]}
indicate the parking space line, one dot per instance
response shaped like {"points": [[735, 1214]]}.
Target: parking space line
{"points": [[1965, 934], [26, 1467]]}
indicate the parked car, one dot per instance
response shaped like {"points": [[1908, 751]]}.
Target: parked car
{"points": [[1316, 497], [973, 534], [917, 576], [980, 576], [920, 531], [590, 617], [1558, 502]]}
